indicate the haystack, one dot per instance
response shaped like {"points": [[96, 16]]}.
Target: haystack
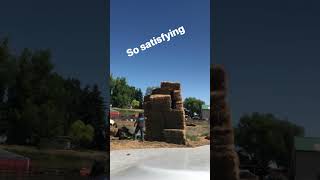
{"points": [[164, 110], [224, 158]]}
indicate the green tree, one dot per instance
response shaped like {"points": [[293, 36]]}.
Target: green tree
{"points": [[120, 93], [135, 104], [7, 69], [40, 103], [81, 134], [267, 138], [139, 97], [193, 105]]}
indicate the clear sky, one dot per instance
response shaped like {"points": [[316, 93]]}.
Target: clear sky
{"points": [[74, 31], [184, 59], [271, 51]]}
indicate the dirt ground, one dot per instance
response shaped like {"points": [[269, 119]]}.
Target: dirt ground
{"points": [[196, 136]]}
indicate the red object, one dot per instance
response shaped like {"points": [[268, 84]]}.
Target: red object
{"points": [[14, 164], [84, 172], [114, 114]]}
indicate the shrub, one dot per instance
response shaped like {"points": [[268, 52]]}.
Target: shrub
{"points": [[81, 134]]}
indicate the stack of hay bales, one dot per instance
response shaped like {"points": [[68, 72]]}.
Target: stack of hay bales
{"points": [[164, 114], [225, 162]]}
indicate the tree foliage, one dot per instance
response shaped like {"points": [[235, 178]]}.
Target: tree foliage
{"points": [[267, 138], [81, 134], [38, 102], [122, 94], [193, 105], [149, 90], [135, 104]]}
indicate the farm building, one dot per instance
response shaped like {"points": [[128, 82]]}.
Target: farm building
{"points": [[205, 112], [306, 160]]}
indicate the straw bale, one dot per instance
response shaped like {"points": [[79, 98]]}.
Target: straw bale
{"points": [[176, 95], [170, 85], [155, 125], [146, 98], [175, 136], [174, 120], [218, 79], [159, 98], [220, 119], [225, 166], [179, 105], [161, 91]]}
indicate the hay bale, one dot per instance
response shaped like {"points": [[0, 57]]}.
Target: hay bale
{"points": [[220, 118], [179, 105], [147, 108], [176, 95], [170, 85], [176, 136], [223, 139], [221, 148], [161, 91], [218, 79], [174, 120], [225, 165], [160, 107], [224, 158], [146, 98], [160, 103], [160, 98], [155, 125]]}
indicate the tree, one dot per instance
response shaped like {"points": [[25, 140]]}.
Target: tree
{"points": [[135, 104], [267, 138], [193, 105], [81, 134], [40, 103], [122, 94], [7, 69], [139, 97], [149, 90]]}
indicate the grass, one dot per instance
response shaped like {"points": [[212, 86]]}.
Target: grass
{"points": [[205, 134], [192, 137]]}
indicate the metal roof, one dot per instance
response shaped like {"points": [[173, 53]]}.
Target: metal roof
{"points": [[307, 143]]}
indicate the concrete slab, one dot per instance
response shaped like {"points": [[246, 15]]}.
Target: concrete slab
{"points": [[161, 163]]}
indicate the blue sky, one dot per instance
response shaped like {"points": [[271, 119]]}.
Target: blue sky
{"points": [[184, 59], [74, 31], [270, 50]]}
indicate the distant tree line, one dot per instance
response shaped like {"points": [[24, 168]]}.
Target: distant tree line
{"points": [[123, 95], [36, 102]]}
